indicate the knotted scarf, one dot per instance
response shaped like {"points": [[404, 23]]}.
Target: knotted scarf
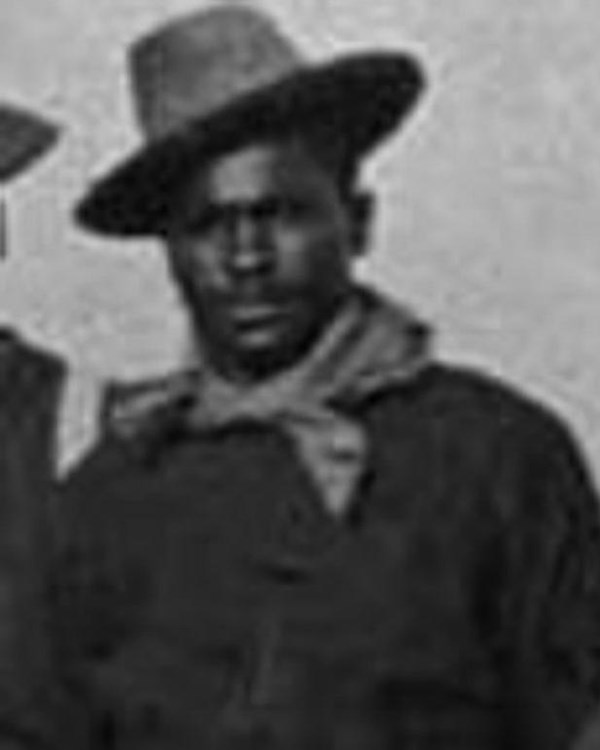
{"points": [[371, 344]]}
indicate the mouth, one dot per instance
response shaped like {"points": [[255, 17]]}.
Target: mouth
{"points": [[256, 314]]}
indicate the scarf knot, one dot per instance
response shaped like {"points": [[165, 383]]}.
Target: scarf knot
{"points": [[370, 345]]}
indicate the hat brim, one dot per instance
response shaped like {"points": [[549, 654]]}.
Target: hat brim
{"points": [[24, 138], [358, 99]]}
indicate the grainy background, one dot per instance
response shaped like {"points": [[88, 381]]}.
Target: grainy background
{"points": [[489, 213]]}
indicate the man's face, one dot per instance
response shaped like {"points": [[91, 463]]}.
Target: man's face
{"points": [[262, 247]]}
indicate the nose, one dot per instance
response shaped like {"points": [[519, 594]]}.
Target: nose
{"points": [[250, 244]]}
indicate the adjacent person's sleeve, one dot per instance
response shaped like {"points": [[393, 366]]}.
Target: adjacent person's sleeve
{"points": [[45, 701], [550, 613], [95, 591]]}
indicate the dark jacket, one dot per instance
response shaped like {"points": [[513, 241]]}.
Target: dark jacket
{"points": [[203, 598], [30, 383]]}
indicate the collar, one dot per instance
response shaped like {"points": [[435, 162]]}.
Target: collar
{"points": [[371, 344]]}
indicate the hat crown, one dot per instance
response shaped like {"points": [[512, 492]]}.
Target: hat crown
{"points": [[200, 63]]}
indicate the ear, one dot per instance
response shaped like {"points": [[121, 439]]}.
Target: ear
{"points": [[360, 205]]}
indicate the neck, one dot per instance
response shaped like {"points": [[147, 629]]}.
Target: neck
{"points": [[323, 348], [262, 367], [252, 370]]}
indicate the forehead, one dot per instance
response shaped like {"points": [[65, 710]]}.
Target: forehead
{"points": [[260, 170]]}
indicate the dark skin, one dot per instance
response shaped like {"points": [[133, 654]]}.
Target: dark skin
{"points": [[262, 250]]}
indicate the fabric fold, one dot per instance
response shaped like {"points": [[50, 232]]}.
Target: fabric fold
{"points": [[370, 345]]}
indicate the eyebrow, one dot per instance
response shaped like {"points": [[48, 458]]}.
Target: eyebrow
{"points": [[264, 205]]}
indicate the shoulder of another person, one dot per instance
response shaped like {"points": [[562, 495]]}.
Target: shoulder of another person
{"points": [[38, 361]]}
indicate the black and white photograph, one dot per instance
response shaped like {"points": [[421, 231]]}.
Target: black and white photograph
{"points": [[299, 375]]}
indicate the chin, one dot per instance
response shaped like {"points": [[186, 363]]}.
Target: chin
{"points": [[262, 358]]}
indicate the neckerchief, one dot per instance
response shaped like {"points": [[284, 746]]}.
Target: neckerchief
{"points": [[370, 345]]}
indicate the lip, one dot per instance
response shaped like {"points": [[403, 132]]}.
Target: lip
{"points": [[255, 314]]}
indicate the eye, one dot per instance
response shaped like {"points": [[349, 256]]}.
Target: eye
{"points": [[204, 221], [220, 220], [286, 210]]}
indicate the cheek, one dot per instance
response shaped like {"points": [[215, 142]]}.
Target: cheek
{"points": [[195, 266], [315, 258]]}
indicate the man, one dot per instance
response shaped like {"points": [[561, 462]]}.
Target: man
{"points": [[315, 535], [30, 377], [31, 381], [39, 402], [48, 418]]}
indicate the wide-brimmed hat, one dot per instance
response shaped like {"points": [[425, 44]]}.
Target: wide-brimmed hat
{"points": [[220, 78], [24, 137]]}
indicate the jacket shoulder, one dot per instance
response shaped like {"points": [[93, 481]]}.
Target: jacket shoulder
{"points": [[487, 424], [479, 425], [491, 401]]}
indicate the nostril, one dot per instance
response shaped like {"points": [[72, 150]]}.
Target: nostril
{"points": [[250, 259]]}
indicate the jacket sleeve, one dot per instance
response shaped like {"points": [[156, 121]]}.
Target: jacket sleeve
{"points": [[42, 702], [55, 599], [94, 595], [28, 699], [551, 594]]}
